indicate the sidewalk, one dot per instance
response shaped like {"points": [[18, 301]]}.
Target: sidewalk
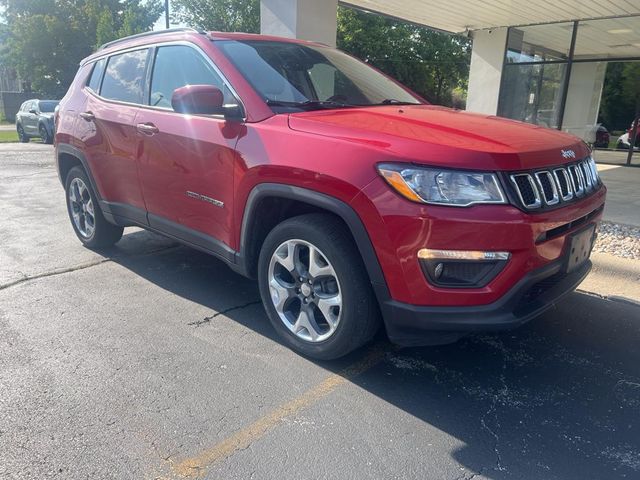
{"points": [[616, 262], [7, 127], [623, 194]]}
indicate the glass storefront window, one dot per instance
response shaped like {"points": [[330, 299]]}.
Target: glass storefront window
{"points": [[533, 93], [539, 43]]}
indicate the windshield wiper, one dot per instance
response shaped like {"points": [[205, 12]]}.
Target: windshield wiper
{"points": [[393, 101], [307, 104]]}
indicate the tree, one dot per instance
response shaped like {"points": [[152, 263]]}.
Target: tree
{"points": [[433, 64], [48, 38], [616, 109], [220, 15]]}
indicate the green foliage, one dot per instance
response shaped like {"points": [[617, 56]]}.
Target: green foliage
{"points": [[48, 38], [434, 64], [621, 95], [220, 15], [631, 84]]}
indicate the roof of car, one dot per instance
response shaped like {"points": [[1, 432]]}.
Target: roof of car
{"points": [[182, 33], [256, 37]]}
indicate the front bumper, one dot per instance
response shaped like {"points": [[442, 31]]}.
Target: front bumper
{"points": [[399, 229], [539, 290]]}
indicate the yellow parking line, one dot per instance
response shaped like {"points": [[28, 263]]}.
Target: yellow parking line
{"points": [[197, 466]]}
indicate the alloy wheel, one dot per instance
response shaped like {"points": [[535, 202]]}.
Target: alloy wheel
{"points": [[305, 290], [81, 208]]}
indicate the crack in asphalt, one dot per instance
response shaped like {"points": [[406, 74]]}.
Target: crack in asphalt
{"points": [[205, 320], [473, 475], [75, 268], [503, 392]]}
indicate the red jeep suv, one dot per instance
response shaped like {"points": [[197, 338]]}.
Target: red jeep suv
{"points": [[351, 200]]}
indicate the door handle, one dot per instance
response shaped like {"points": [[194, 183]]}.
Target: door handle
{"points": [[147, 128], [88, 116]]}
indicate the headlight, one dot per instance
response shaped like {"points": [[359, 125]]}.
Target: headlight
{"points": [[441, 186]]}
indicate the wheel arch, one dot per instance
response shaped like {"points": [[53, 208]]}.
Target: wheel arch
{"points": [[42, 123], [67, 157], [269, 204]]}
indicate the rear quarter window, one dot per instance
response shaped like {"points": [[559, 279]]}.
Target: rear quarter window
{"points": [[124, 77], [93, 82]]}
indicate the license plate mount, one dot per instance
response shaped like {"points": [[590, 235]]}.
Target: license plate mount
{"points": [[580, 246]]}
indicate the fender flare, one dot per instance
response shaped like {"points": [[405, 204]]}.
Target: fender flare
{"points": [[65, 148], [325, 202]]}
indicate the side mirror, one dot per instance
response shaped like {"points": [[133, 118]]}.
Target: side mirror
{"points": [[198, 99], [34, 111]]}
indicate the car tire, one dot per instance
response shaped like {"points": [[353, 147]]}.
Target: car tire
{"points": [[322, 311], [85, 214], [44, 134], [22, 137]]}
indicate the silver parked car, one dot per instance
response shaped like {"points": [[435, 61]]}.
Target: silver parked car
{"points": [[35, 119]]}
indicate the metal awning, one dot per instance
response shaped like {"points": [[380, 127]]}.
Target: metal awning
{"points": [[460, 16]]}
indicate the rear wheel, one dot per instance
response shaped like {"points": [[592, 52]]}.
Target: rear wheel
{"points": [[23, 137], [86, 216], [315, 288]]}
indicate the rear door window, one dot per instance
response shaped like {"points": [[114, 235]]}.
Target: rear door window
{"points": [[176, 66], [124, 77], [96, 75]]}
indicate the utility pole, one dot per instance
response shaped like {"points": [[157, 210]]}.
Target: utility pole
{"points": [[166, 14]]}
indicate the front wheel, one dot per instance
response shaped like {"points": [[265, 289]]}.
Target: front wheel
{"points": [[44, 135], [315, 288], [85, 214], [22, 137]]}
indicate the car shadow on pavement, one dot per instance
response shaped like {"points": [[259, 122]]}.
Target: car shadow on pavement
{"points": [[557, 398]]}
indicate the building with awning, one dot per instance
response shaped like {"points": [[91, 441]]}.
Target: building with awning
{"points": [[539, 61]]}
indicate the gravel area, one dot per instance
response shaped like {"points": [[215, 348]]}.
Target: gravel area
{"points": [[619, 240]]}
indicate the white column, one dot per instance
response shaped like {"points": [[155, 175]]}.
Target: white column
{"points": [[314, 20], [583, 99], [487, 58]]}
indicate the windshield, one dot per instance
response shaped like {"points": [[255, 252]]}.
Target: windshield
{"points": [[294, 77], [47, 106]]}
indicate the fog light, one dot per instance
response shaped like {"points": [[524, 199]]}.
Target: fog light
{"points": [[461, 268], [437, 272]]}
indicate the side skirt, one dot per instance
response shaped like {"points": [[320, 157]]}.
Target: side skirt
{"points": [[127, 216]]}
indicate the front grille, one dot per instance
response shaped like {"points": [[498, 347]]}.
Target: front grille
{"points": [[547, 188]]}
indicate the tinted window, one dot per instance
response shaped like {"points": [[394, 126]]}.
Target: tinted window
{"points": [[178, 65], [96, 75], [124, 78], [294, 73], [47, 106]]}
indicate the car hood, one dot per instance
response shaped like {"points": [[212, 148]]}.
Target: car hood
{"points": [[433, 135]]}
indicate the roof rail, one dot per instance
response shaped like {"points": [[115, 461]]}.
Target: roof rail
{"points": [[145, 34]]}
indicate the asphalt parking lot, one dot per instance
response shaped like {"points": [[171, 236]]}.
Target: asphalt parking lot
{"points": [[151, 360]]}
